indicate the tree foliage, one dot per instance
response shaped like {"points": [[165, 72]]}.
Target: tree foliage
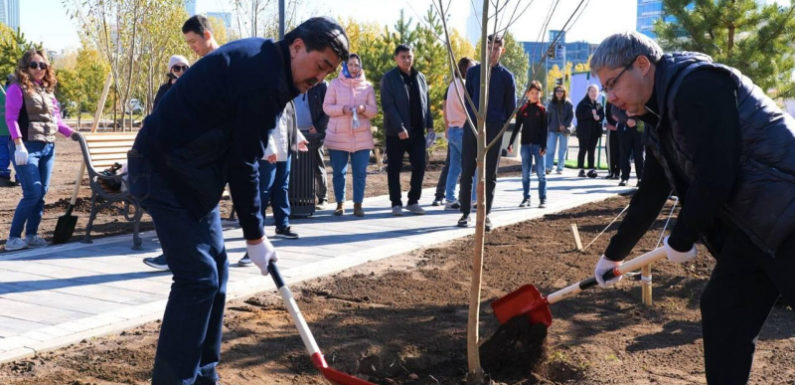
{"points": [[79, 87], [13, 45], [752, 36]]}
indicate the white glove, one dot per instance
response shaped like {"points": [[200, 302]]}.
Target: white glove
{"points": [[679, 256], [262, 254], [603, 266], [21, 155]]}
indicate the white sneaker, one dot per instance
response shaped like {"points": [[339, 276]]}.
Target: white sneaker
{"points": [[15, 243], [35, 241], [397, 211], [452, 205], [415, 209]]}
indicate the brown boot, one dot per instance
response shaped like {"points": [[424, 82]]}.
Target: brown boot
{"points": [[340, 209], [357, 210]]}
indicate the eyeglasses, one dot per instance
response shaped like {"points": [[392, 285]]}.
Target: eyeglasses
{"points": [[611, 84], [180, 68], [40, 65], [559, 91]]}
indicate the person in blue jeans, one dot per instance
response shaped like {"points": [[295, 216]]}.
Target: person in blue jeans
{"points": [[560, 113], [33, 119], [211, 128], [455, 117], [5, 137], [531, 121]]}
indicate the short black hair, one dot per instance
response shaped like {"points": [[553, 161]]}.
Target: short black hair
{"points": [[495, 39], [402, 48], [197, 24], [319, 33]]}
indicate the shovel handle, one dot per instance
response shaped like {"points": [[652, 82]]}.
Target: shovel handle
{"points": [[295, 313], [631, 265]]}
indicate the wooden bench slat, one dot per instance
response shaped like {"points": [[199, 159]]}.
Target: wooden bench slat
{"points": [[108, 137], [97, 157], [109, 150], [100, 165], [127, 144]]}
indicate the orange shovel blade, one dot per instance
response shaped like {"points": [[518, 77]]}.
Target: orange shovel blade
{"points": [[339, 378], [526, 300]]}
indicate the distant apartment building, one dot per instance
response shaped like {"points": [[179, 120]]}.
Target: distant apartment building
{"points": [[9, 13], [563, 52]]}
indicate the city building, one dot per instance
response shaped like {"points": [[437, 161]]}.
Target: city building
{"points": [[649, 11], [9, 13], [563, 52]]}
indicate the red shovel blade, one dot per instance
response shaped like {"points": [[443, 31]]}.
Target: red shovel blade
{"points": [[339, 378], [526, 300]]}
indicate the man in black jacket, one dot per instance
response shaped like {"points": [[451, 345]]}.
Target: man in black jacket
{"points": [[407, 117], [209, 129], [728, 152]]}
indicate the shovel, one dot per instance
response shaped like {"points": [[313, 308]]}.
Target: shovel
{"points": [[66, 223], [527, 300], [333, 376]]}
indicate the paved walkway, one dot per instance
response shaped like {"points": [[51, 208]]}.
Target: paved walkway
{"points": [[62, 294]]}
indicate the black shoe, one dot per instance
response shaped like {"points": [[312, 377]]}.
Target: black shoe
{"points": [[622, 183], [6, 182], [609, 176], [525, 203], [581, 174], [245, 261], [488, 223], [437, 202], [637, 184], [543, 204], [157, 263], [464, 221], [592, 174], [286, 233]]}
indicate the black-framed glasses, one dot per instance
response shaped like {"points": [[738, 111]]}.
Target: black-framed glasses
{"points": [[40, 65], [611, 84], [180, 68]]}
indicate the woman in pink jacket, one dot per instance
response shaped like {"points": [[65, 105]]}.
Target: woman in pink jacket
{"points": [[350, 104]]}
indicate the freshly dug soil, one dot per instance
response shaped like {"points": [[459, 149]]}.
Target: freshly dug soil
{"points": [[402, 320]]}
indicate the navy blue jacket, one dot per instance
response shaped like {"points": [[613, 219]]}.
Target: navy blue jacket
{"points": [[502, 94], [395, 103], [212, 127]]}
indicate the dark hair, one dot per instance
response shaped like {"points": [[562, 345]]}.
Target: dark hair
{"points": [[402, 48], [463, 64], [534, 85], [319, 33], [494, 39], [353, 55], [555, 98], [197, 24]]}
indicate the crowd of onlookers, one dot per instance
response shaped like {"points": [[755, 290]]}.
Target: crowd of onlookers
{"points": [[335, 117]]}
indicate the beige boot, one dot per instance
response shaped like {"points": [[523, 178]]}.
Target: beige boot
{"points": [[357, 210], [340, 209]]}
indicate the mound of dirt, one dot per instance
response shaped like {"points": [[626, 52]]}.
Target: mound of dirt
{"points": [[515, 350]]}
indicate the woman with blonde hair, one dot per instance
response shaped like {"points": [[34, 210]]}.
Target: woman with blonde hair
{"points": [[350, 104], [33, 118]]}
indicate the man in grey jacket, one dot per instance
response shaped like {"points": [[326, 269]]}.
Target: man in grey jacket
{"points": [[407, 117]]}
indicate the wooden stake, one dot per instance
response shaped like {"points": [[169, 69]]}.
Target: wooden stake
{"points": [[101, 104], [645, 276], [577, 241]]}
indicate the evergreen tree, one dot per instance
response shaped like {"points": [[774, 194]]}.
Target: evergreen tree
{"points": [[754, 37]]}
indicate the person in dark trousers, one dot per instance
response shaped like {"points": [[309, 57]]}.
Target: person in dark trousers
{"points": [[630, 135], [312, 122], [209, 129], [502, 102], [590, 114], [613, 144], [407, 117], [531, 120], [728, 152]]}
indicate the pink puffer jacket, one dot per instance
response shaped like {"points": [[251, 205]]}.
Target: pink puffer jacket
{"points": [[340, 134]]}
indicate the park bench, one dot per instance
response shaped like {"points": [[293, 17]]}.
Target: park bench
{"points": [[101, 151]]}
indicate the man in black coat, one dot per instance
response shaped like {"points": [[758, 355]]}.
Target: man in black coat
{"points": [[210, 128], [728, 152]]}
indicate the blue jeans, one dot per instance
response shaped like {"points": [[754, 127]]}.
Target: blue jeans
{"points": [[189, 347], [532, 153], [5, 156], [274, 182], [35, 180], [454, 137], [563, 145], [339, 165]]}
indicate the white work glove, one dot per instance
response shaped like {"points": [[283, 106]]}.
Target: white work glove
{"points": [[679, 256], [262, 254], [603, 266], [21, 155]]}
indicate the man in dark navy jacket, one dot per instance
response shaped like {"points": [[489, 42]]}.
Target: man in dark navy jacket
{"points": [[501, 103], [728, 152], [210, 129]]}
